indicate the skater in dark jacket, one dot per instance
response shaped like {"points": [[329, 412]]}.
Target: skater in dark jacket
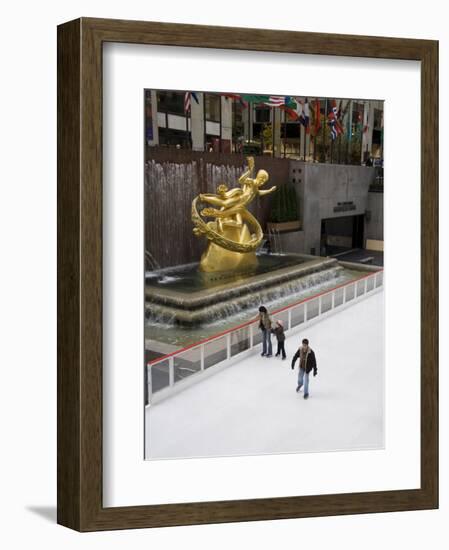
{"points": [[307, 363], [278, 331], [265, 327]]}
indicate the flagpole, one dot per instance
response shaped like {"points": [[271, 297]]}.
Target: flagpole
{"points": [[349, 130], [339, 149], [187, 128], [285, 131], [249, 104], [305, 129], [305, 143], [314, 129], [362, 136], [233, 148], [221, 131], [324, 129], [382, 136], [332, 142], [341, 116], [166, 127], [204, 123], [339, 135]]}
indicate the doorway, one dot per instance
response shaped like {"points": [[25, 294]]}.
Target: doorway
{"points": [[342, 234]]}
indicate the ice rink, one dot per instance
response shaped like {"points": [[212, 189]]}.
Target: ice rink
{"points": [[252, 407]]}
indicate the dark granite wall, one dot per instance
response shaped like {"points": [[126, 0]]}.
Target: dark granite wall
{"points": [[173, 178]]}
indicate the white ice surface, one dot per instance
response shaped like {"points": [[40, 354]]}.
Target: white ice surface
{"points": [[252, 407]]}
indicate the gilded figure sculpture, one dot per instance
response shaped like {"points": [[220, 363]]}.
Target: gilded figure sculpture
{"points": [[234, 234]]}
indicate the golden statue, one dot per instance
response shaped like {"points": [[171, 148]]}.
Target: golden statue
{"points": [[235, 234]]}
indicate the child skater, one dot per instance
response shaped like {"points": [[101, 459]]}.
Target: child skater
{"points": [[278, 331]]}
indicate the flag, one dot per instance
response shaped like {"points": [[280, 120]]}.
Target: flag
{"points": [[350, 118], [366, 119], [290, 102], [358, 126], [339, 111], [275, 101], [304, 117], [342, 114], [236, 97], [231, 96], [188, 100], [382, 129], [270, 100], [290, 112], [333, 122], [316, 115], [252, 98]]}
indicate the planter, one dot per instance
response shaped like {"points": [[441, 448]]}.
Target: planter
{"points": [[281, 227]]}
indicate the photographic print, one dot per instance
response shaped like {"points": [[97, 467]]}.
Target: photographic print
{"points": [[209, 227], [264, 303]]}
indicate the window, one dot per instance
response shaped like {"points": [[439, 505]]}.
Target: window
{"points": [[174, 138], [378, 119], [213, 107], [171, 102], [357, 112], [263, 114], [238, 127]]}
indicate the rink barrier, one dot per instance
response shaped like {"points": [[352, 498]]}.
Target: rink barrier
{"points": [[177, 370]]}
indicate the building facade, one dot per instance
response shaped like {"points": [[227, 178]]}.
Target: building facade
{"points": [[223, 123]]}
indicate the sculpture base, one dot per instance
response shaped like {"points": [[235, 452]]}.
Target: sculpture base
{"points": [[216, 258]]}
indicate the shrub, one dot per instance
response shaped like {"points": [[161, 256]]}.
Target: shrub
{"points": [[284, 204]]}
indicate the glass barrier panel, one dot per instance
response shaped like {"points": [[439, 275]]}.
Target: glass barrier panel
{"points": [[338, 297], [326, 302], [147, 384], [297, 315], [160, 377], [257, 334], [369, 284], [281, 316], [239, 340], [187, 363], [313, 308], [215, 351], [379, 279], [349, 292], [361, 287]]}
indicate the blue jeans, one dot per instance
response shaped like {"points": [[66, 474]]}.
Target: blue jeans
{"points": [[303, 378], [266, 342]]}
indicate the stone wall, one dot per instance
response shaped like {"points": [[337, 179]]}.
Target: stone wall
{"points": [[328, 191], [374, 220], [174, 177]]}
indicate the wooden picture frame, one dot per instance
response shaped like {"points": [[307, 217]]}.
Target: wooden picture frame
{"points": [[80, 351]]}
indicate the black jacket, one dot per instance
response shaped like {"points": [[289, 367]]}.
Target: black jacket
{"points": [[310, 361], [279, 332]]}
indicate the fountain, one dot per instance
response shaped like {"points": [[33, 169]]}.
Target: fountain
{"points": [[187, 297], [232, 276]]}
